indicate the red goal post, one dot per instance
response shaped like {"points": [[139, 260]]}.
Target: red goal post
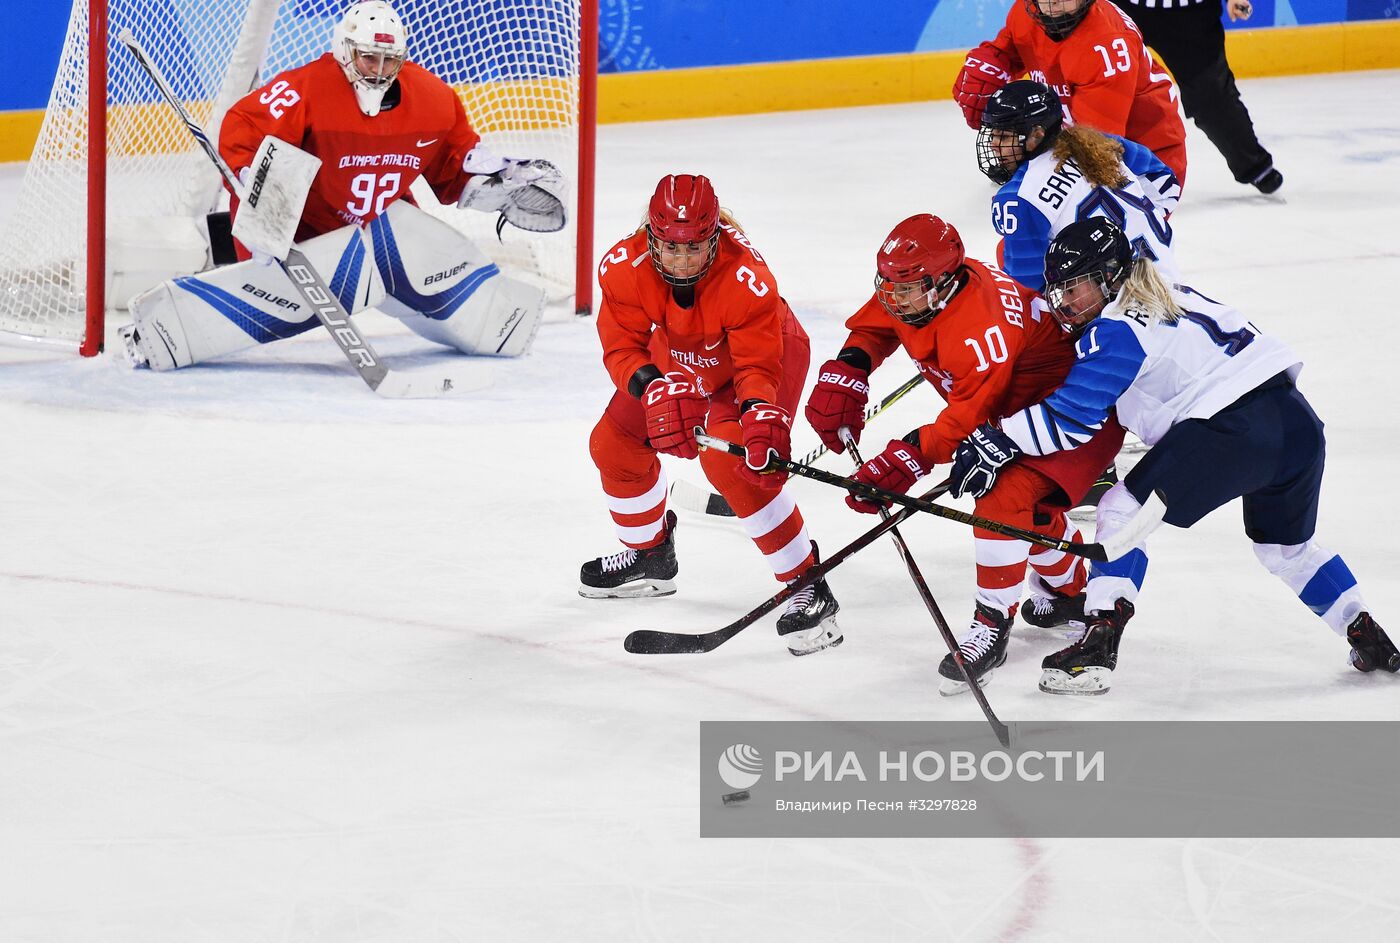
{"points": [[115, 193]]}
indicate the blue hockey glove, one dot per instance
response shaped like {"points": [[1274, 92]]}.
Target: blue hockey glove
{"points": [[978, 459]]}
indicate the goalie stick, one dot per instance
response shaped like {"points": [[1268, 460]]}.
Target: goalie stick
{"points": [[1002, 732], [691, 497], [312, 286], [660, 642], [1110, 549]]}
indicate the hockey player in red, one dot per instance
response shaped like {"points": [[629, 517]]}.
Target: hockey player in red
{"points": [[377, 122], [989, 346], [694, 334], [1094, 58]]}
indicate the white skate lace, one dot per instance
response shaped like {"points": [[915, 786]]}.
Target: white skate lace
{"points": [[801, 601], [1043, 605], [978, 643], [619, 561]]}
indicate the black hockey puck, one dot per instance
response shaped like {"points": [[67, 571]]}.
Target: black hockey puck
{"points": [[730, 798]]}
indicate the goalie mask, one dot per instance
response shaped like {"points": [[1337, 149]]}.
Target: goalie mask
{"points": [[1013, 114], [1085, 266], [371, 44], [683, 228], [1058, 17], [919, 269]]}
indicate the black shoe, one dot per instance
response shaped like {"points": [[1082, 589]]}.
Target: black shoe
{"points": [[1269, 181], [1086, 667], [649, 572], [1371, 648], [1054, 611], [983, 649], [809, 621]]}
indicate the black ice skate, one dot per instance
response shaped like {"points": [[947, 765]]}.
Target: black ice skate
{"points": [[808, 624], [1371, 648], [1053, 611], [1086, 667], [983, 649], [632, 573]]}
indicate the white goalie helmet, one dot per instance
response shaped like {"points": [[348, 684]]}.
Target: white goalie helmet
{"points": [[371, 44]]}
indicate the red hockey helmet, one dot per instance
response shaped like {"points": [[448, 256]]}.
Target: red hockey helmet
{"points": [[917, 268], [683, 228]]}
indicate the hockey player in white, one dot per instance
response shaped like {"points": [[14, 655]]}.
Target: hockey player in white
{"points": [[377, 122], [1052, 175], [1216, 401]]}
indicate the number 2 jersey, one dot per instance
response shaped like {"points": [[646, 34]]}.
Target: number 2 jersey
{"points": [[366, 163], [993, 350], [1041, 199], [1155, 373], [733, 332]]}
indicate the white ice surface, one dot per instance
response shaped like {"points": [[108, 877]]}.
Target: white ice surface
{"points": [[280, 660]]}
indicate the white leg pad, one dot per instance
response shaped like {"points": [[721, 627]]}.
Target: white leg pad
{"points": [[444, 289], [196, 318]]}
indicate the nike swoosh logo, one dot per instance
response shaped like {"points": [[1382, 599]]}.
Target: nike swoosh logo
{"points": [[715, 344], [427, 142]]}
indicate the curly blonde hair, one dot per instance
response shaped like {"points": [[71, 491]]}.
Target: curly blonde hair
{"points": [[1097, 154]]}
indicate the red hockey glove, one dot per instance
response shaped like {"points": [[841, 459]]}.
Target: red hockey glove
{"points": [[986, 70], [767, 431], [894, 469], [674, 408], [838, 400]]}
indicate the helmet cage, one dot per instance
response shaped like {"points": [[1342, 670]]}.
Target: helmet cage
{"points": [[1058, 25], [1066, 300], [915, 303], [992, 144], [389, 60], [681, 253]]}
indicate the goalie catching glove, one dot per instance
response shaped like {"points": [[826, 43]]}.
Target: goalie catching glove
{"points": [[529, 194]]}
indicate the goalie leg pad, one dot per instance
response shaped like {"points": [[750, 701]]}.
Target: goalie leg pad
{"points": [[197, 318], [444, 289]]}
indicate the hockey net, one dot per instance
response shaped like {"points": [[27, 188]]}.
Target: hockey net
{"points": [[514, 63]]}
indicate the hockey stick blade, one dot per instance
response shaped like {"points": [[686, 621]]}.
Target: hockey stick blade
{"points": [[688, 496], [1093, 551], [427, 384]]}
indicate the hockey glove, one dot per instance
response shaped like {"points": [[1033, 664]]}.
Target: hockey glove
{"points": [[986, 70], [838, 400], [979, 459], [674, 408], [529, 194], [767, 432], [894, 469]]}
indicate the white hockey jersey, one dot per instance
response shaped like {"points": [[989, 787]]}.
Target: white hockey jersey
{"points": [[1039, 201], [1156, 373]]}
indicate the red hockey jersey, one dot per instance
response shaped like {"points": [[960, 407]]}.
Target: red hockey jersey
{"points": [[367, 163], [733, 332], [993, 350]]}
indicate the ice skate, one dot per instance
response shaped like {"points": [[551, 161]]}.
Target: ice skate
{"points": [[131, 347], [808, 624], [1086, 667], [1047, 609], [983, 649], [1371, 648], [633, 573]]}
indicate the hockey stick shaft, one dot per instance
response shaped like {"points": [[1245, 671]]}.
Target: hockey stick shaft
{"points": [[659, 642], [308, 282], [1002, 732], [707, 502], [1088, 551]]}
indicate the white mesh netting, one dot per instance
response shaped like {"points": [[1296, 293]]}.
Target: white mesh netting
{"points": [[514, 63]]}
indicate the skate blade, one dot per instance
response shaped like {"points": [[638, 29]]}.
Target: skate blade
{"points": [[829, 637], [950, 687], [634, 590], [1090, 681]]}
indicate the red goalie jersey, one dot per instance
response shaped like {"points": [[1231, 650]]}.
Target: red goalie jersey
{"points": [[734, 331], [367, 163], [993, 350], [1104, 74]]}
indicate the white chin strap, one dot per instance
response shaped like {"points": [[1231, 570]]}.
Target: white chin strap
{"points": [[370, 97]]}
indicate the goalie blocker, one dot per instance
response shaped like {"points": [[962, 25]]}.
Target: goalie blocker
{"points": [[405, 263]]}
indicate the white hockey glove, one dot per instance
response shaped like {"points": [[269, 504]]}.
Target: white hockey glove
{"points": [[527, 193]]}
